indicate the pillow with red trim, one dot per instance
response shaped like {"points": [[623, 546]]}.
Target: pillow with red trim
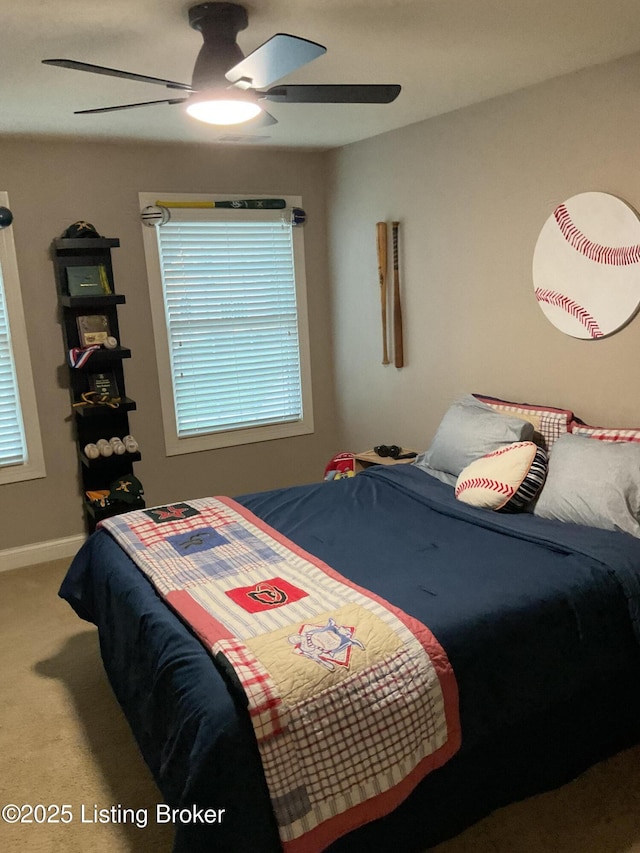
{"points": [[548, 422], [604, 433], [507, 479]]}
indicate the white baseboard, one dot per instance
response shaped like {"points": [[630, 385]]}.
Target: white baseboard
{"points": [[40, 552]]}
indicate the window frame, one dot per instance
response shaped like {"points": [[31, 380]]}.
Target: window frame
{"points": [[33, 466], [174, 444]]}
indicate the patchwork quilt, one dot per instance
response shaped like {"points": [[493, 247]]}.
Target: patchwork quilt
{"points": [[352, 701]]}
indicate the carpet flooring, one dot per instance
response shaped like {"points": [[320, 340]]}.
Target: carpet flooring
{"points": [[64, 741]]}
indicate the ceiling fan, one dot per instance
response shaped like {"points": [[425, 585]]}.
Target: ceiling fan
{"points": [[227, 88]]}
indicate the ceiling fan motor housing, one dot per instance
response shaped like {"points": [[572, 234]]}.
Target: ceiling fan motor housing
{"points": [[219, 24]]}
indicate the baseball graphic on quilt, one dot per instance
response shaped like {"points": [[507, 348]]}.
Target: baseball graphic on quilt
{"points": [[586, 265]]}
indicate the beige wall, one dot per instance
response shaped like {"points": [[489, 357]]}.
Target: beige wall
{"points": [[472, 190], [52, 184]]}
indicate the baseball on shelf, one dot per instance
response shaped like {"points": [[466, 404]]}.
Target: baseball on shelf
{"points": [[586, 265], [111, 342], [91, 451], [117, 446], [131, 445]]}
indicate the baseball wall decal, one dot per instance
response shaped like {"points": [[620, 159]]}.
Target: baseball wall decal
{"points": [[586, 265]]}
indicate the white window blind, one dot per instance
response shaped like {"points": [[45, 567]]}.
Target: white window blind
{"points": [[228, 302], [13, 448]]}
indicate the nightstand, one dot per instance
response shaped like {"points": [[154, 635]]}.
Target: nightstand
{"points": [[370, 457]]}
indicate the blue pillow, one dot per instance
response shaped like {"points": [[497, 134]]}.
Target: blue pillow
{"points": [[471, 429], [593, 482]]}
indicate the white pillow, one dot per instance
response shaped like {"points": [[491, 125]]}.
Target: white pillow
{"points": [[507, 479], [596, 483]]}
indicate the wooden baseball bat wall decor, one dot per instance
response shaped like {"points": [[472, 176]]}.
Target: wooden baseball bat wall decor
{"points": [[397, 306], [381, 233], [251, 203]]}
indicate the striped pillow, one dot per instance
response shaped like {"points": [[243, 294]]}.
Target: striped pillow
{"points": [[507, 479], [548, 422], [605, 433]]}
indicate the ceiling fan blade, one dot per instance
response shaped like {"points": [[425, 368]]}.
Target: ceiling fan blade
{"points": [[115, 72], [129, 106], [273, 60], [333, 94]]}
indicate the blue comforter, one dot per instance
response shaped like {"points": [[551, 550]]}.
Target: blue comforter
{"points": [[539, 619]]}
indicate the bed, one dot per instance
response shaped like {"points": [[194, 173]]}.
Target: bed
{"points": [[539, 619]]}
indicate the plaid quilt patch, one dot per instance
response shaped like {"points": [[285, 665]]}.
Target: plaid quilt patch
{"points": [[352, 701]]}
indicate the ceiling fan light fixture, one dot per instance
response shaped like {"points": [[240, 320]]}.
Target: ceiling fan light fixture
{"points": [[223, 107]]}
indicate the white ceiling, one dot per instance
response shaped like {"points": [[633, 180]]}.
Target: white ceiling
{"points": [[446, 54]]}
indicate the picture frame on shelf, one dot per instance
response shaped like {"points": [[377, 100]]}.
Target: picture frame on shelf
{"points": [[104, 384], [88, 281], [92, 329]]}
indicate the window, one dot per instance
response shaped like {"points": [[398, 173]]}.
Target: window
{"points": [[229, 315], [20, 444]]}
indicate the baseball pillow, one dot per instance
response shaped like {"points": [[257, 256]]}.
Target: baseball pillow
{"points": [[507, 479]]}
